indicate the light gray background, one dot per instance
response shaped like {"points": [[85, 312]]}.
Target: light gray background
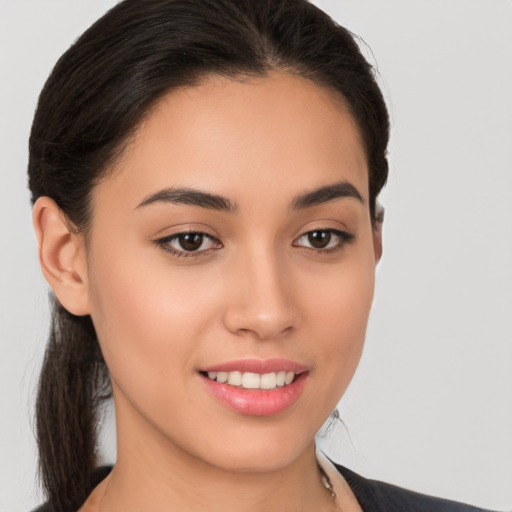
{"points": [[431, 405]]}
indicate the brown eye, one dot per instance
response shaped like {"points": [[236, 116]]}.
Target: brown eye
{"points": [[190, 241], [319, 239], [324, 240]]}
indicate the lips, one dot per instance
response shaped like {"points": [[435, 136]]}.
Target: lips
{"points": [[260, 366], [256, 387]]}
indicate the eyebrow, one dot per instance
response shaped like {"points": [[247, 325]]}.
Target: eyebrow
{"points": [[192, 197], [325, 194]]}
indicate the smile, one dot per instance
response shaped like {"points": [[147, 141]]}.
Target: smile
{"points": [[256, 387], [249, 380]]}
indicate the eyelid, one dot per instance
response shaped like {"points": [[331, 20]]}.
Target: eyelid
{"points": [[343, 238], [164, 242]]}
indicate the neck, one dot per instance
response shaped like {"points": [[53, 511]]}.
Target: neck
{"points": [[145, 484], [152, 473]]}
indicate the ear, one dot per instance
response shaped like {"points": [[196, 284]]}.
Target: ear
{"points": [[62, 256], [377, 233]]}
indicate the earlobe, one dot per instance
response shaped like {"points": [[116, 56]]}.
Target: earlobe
{"points": [[62, 256], [377, 233]]}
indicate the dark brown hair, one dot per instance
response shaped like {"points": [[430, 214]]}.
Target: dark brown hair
{"points": [[95, 98]]}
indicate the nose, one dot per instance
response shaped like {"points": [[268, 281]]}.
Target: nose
{"points": [[261, 301]]}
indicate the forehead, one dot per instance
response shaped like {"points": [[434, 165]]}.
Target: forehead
{"points": [[281, 133]]}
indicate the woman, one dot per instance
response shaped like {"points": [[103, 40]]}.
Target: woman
{"points": [[205, 179]]}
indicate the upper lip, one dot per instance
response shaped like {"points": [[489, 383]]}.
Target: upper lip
{"points": [[260, 366]]}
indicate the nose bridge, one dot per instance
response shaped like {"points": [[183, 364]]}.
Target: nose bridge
{"points": [[261, 303]]}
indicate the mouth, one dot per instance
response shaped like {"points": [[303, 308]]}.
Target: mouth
{"points": [[250, 380], [256, 387]]}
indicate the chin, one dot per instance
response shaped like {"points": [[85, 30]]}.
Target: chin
{"points": [[255, 451]]}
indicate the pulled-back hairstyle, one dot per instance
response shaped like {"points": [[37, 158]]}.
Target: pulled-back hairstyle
{"points": [[97, 95]]}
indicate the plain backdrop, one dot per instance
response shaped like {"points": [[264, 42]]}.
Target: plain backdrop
{"points": [[430, 407]]}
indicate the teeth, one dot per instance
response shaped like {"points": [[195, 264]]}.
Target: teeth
{"points": [[289, 377], [248, 380], [235, 378], [268, 381], [221, 376]]}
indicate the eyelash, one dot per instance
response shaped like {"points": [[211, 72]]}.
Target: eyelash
{"points": [[343, 239], [165, 242]]}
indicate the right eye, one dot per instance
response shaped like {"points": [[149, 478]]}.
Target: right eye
{"points": [[189, 243]]}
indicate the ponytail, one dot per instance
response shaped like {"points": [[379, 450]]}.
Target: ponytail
{"points": [[73, 384]]}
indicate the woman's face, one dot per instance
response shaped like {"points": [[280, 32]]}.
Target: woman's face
{"points": [[233, 237]]}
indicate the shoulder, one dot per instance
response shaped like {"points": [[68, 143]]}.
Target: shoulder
{"points": [[376, 496]]}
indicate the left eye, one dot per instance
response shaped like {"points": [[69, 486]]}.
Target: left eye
{"points": [[181, 244], [323, 239]]}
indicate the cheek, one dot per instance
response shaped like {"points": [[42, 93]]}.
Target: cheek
{"points": [[338, 303], [338, 315], [149, 321]]}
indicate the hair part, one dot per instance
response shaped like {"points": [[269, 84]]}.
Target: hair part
{"points": [[92, 103]]}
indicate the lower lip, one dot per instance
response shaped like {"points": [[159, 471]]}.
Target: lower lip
{"points": [[257, 402]]}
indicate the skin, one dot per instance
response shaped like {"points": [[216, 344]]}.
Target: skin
{"points": [[260, 290]]}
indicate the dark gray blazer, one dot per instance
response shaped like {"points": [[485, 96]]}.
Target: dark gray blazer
{"points": [[375, 496]]}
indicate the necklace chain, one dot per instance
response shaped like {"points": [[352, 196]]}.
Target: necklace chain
{"points": [[326, 481]]}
